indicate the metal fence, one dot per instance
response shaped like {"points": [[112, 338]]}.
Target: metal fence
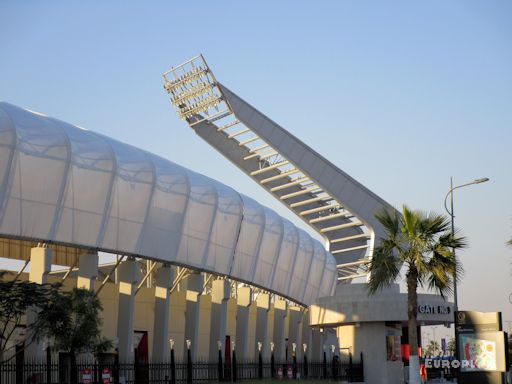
{"points": [[95, 372]]}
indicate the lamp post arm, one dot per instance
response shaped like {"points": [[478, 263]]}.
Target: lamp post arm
{"points": [[453, 189]]}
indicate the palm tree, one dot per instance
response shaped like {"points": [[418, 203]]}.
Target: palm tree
{"points": [[423, 244], [432, 348]]}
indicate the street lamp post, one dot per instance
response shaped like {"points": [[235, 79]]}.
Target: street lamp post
{"points": [[450, 212]]}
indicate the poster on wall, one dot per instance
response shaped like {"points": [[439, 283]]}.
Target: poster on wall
{"points": [[482, 351], [393, 347]]}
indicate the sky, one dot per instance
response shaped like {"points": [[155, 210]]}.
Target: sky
{"points": [[401, 95]]}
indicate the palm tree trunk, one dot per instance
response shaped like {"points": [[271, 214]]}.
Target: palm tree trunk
{"points": [[412, 313]]}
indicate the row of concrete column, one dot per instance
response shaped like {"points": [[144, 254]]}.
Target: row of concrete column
{"points": [[253, 318]]}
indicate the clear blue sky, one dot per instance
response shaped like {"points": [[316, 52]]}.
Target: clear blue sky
{"points": [[399, 94]]}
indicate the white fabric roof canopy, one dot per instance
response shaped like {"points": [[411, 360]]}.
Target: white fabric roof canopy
{"points": [[64, 184]]}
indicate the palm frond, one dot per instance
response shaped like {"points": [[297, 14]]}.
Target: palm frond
{"points": [[390, 221], [384, 267], [442, 267]]}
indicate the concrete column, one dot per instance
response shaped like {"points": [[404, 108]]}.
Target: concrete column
{"points": [[218, 316], [164, 277], [87, 271], [306, 335], [244, 298], [280, 308], [263, 307], [193, 287], [294, 330], [40, 267], [252, 345], [128, 275], [317, 344]]}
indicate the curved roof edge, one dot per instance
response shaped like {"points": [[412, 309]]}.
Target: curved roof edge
{"points": [[63, 184]]}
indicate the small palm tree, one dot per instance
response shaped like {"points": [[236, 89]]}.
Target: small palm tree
{"points": [[432, 348], [423, 244]]}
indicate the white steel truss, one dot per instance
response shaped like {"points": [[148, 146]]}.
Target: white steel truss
{"points": [[204, 104]]}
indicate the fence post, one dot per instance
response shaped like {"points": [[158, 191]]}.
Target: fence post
{"points": [[362, 367], [260, 366], [48, 365], [173, 367], [234, 375], [325, 366], [219, 365], [189, 366], [306, 369], [350, 367], [272, 366], [116, 367]]}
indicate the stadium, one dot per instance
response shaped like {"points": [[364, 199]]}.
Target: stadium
{"points": [[193, 265]]}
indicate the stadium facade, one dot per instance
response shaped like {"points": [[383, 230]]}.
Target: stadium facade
{"points": [[196, 260]]}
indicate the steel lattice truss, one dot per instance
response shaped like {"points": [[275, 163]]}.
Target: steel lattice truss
{"points": [[332, 203]]}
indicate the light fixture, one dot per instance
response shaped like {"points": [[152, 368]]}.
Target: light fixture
{"points": [[333, 348], [233, 346], [272, 346], [294, 346], [259, 346], [193, 90], [189, 344], [171, 343], [304, 347], [219, 344]]}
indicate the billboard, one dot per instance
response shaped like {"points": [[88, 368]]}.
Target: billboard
{"points": [[482, 352]]}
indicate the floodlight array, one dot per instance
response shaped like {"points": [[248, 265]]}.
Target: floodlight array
{"points": [[193, 92], [194, 74], [202, 105]]}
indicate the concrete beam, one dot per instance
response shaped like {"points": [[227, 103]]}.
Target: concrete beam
{"points": [[87, 271]]}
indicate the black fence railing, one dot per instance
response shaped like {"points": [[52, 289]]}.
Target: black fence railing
{"points": [[94, 372]]}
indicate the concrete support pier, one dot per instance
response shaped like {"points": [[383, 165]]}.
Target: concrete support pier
{"points": [[280, 309], [193, 284], [40, 267], [129, 275], [163, 283], [218, 316], [244, 298], [263, 307]]}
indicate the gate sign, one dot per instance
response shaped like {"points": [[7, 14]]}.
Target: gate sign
{"points": [[290, 372], [280, 372], [105, 376], [86, 376]]}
